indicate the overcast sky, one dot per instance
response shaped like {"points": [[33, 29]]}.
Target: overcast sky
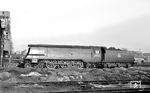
{"points": [[118, 23]]}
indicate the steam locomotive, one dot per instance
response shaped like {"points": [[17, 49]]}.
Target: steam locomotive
{"points": [[62, 56]]}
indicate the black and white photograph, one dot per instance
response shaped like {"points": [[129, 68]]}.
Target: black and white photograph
{"points": [[74, 46]]}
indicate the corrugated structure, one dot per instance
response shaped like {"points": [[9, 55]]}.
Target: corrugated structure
{"points": [[5, 38]]}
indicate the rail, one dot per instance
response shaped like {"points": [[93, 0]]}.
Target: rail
{"points": [[96, 86]]}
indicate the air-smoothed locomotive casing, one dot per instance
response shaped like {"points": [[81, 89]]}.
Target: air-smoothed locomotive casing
{"points": [[92, 56], [118, 56], [84, 53]]}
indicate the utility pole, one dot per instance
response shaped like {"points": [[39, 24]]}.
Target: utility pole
{"points": [[1, 44], [1, 32], [5, 39]]}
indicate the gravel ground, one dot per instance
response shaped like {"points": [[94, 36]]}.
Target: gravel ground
{"points": [[15, 74], [12, 75]]}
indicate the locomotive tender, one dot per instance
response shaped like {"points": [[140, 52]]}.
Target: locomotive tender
{"points": [[61, 56]]}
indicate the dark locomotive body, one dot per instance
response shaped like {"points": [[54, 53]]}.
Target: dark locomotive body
{"points": [[60, 56], [118, 58]]}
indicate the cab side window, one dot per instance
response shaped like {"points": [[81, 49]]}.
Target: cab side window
{"points": [[97, 51]]}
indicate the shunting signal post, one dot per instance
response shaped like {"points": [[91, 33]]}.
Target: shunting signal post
{"points": [[5, 38]]}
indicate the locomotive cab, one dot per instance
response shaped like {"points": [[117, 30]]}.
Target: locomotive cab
{"points": [[97, 56]]}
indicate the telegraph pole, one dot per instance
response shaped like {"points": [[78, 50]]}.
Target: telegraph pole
{"points": [[1, 44], [5, 38], [1, 32]]}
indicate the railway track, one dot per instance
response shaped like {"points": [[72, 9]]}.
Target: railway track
{"points": [[142, 65], [128, 90], [95, 86]]}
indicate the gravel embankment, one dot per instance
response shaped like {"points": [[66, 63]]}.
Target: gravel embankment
{"points": [[21, 75]]}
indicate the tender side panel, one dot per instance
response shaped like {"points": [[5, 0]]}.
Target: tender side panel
{"points": [[118, 56]]}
